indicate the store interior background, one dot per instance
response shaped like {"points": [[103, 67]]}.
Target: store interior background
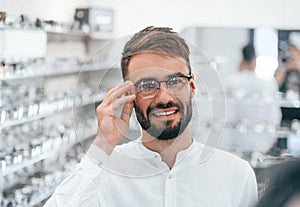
{"points": [[131, 16], [219, 28]]}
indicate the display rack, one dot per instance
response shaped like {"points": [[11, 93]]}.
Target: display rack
{"points": [[28, 163], [78, 34], [54, 72], [37, 117], [41, 198], [50, 73]]}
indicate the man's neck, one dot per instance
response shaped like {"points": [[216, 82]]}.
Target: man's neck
{"points": [[168, 149]]}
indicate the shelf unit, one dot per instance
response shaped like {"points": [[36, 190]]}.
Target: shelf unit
{"points": [[79, 34], [51, 74], [30, 162], [34, 118], [40, 198]]}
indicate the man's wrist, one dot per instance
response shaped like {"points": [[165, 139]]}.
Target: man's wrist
{"points": [[102, 143]]}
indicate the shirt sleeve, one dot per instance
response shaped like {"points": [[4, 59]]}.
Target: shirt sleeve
{"points": [[80, 188], [249, 192]]}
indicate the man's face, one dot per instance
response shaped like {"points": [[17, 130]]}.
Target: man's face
{"points": [[165, 115]]}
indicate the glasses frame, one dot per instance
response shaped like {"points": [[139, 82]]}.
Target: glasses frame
{"points": [[188, 77]]}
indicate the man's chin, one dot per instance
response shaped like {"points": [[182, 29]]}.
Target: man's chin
{"points": [[163, 133], [165, 138]]}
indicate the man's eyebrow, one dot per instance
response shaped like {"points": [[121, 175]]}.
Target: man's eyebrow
{"points": [[175, 75], [145, 79], [169, 76]]}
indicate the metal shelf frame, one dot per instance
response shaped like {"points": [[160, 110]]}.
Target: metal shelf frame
{"points": [[14, 168], [54, 72]]}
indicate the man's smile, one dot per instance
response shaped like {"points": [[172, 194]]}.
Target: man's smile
{"points": [[169, 113]]}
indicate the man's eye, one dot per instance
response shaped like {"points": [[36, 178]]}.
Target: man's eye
{"points": [[175, 81], [144, 86]]}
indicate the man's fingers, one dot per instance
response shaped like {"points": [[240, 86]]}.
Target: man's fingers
{"points": [[123, 100], [127, 111], [117, 87], [117, 92]]}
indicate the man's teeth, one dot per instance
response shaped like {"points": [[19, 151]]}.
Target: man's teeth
{"points": [[164, 113]]}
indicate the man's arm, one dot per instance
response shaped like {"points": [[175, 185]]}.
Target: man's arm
{"points": [[280, 74], [80, 189]]}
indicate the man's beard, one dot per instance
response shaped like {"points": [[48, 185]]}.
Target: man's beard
{"points": [[168, 131]]}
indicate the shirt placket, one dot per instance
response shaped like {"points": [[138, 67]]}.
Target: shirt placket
{"points": [[170, 189]]}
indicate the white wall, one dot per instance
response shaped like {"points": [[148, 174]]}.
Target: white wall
{"points": [[132, 15], [58, 10], [224, 45], [14, 44]]}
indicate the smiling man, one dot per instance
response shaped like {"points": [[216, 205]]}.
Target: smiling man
{"points": [[162, 168]]}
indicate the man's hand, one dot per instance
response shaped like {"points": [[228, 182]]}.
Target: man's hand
{"points": [[111, 128]]}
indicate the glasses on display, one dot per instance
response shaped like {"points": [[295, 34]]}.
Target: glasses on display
{"points": [[30, 101], [243, 126], [22, 67], [37, 187], [35, 183], [148, 88], [29, 141], [16, 69], [256, 97]]}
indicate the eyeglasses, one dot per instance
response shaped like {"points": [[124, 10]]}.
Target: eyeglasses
{"points": [[148, 88]]}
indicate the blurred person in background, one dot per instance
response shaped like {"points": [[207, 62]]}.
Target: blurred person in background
{"points": [[252, 111], [248, 62], [283, 189], [288, 73]]}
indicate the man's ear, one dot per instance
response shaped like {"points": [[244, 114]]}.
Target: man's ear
{"points": [[193, 85]]}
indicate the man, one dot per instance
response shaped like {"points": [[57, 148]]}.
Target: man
{"points": [[248, 63], [162, 168]]}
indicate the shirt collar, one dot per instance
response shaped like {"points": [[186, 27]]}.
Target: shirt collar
{"points": [[192, 149], [145, 152]]}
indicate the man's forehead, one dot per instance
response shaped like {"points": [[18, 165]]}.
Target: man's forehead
{"points": [[156, 65], [156, 73]]}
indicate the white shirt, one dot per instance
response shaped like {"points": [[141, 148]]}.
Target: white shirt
{"points": [[134, 176]]}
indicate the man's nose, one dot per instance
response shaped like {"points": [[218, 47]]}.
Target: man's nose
{"points": [[163, 94], [163, 86]]}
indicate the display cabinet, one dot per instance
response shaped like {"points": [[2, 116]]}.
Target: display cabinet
{"points": [[47, 116]]}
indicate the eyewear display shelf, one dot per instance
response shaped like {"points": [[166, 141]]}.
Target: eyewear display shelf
{"points": [[88, 71]]}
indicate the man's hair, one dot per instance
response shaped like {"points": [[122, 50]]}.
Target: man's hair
{"points": [[155, 39], [249, 53]]}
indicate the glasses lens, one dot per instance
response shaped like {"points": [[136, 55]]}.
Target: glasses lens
{"points": [[147, 88], [176, 84]]}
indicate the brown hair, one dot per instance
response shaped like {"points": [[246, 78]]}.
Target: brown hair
{"points": [[155, 39], [249, 53]]}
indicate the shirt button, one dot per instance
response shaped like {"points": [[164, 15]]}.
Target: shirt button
{"points": [[156, 156], [170, 176]]}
